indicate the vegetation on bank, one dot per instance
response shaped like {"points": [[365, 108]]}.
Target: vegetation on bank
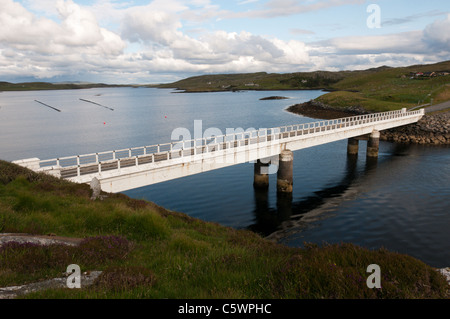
{"points": [[259, 81], [146, 251], [391, 89], [36, 86], [378, 89]]}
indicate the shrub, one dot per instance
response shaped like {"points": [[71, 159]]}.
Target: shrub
{"points": [[125, 278]]}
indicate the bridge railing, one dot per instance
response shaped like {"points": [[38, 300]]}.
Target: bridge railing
{"points": [[78, 165]]}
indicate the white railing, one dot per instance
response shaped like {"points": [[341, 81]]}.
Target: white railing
{"points": [[98, 162]]}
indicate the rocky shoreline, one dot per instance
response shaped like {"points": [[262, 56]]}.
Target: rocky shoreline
{"points": [[319, 110], [432, 129]]}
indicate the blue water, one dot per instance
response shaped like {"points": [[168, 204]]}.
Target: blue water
{"points": [[399, 202]]}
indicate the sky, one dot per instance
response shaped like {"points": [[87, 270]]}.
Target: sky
{"points": [[161, 41]]}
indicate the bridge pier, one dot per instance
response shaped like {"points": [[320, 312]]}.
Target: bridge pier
{"points": [[261, 178], [352, 146], [373, 144], [285, 172]]}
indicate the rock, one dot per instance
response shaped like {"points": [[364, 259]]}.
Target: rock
{"points": [[12, 292], [446, 273], [96, 188], [431, 129], [37, 239], [274, 98]]}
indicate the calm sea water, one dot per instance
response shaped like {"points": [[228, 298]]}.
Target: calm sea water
{"points": [[400, 201]]}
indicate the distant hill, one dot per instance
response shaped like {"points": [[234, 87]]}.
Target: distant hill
{"points": [[32, 86], [332, 81], [378, 89], [392, 88], [259, 81]]}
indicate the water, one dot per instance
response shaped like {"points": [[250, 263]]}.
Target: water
{"points": [[399, 201]]}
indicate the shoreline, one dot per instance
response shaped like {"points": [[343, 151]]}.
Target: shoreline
{"points": [[238, 90], [432, 129]]}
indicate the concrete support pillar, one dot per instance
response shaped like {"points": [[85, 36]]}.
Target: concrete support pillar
{"points": [[373, 144], [352, 146], [261, 178], [285, 172]]}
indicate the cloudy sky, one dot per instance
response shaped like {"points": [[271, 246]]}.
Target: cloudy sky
{"points": [[137, 41]]}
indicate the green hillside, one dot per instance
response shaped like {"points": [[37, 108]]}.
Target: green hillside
{"points": [[259, 81], [146, 251], [392, 88], [377, 89]]}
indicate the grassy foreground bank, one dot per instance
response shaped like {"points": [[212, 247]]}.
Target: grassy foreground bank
{"points": [[146, 251]]}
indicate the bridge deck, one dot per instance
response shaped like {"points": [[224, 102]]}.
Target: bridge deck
{"points": [[157, 162]]}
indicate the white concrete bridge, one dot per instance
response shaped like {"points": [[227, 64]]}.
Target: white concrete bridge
{"points": [[126, 169]]}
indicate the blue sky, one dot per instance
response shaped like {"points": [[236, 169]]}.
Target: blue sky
{"points": [[136, 41]]}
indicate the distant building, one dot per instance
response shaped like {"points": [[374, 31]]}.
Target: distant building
{"points": [[416, 75]]}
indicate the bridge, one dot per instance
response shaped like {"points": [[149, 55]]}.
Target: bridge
{"points": [[270, 149]]}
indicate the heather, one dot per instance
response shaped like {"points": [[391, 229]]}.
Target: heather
{"points": [[146, 251]]}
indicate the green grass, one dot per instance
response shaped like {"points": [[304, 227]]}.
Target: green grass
{"points": [[258, 81], [390, 89], [377, 89], [146, 251], [343, 99]]}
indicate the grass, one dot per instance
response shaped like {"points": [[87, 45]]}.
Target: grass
{"points": [[258, 81], [343, 99], [390, 89], [146, 251], [378, 89]]}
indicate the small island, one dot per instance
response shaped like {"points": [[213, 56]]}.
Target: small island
{"points": [[274, 98]]}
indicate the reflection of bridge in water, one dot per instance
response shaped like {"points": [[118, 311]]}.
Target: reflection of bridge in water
{"points": [[291, 217], [122, 170]]}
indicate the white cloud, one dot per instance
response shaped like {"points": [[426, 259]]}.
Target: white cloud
{"points": [[118, 41], [22, 30], [277, 8], [392, 43], [220, 50], [437, 34]]}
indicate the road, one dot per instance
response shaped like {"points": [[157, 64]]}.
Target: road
{"points": [[437, 107]]}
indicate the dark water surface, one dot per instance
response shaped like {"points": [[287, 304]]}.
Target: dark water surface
{"points": [[400, 201]]}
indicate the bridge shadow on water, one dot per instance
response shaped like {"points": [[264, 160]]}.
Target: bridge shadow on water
{"points": [[292, 216]]}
